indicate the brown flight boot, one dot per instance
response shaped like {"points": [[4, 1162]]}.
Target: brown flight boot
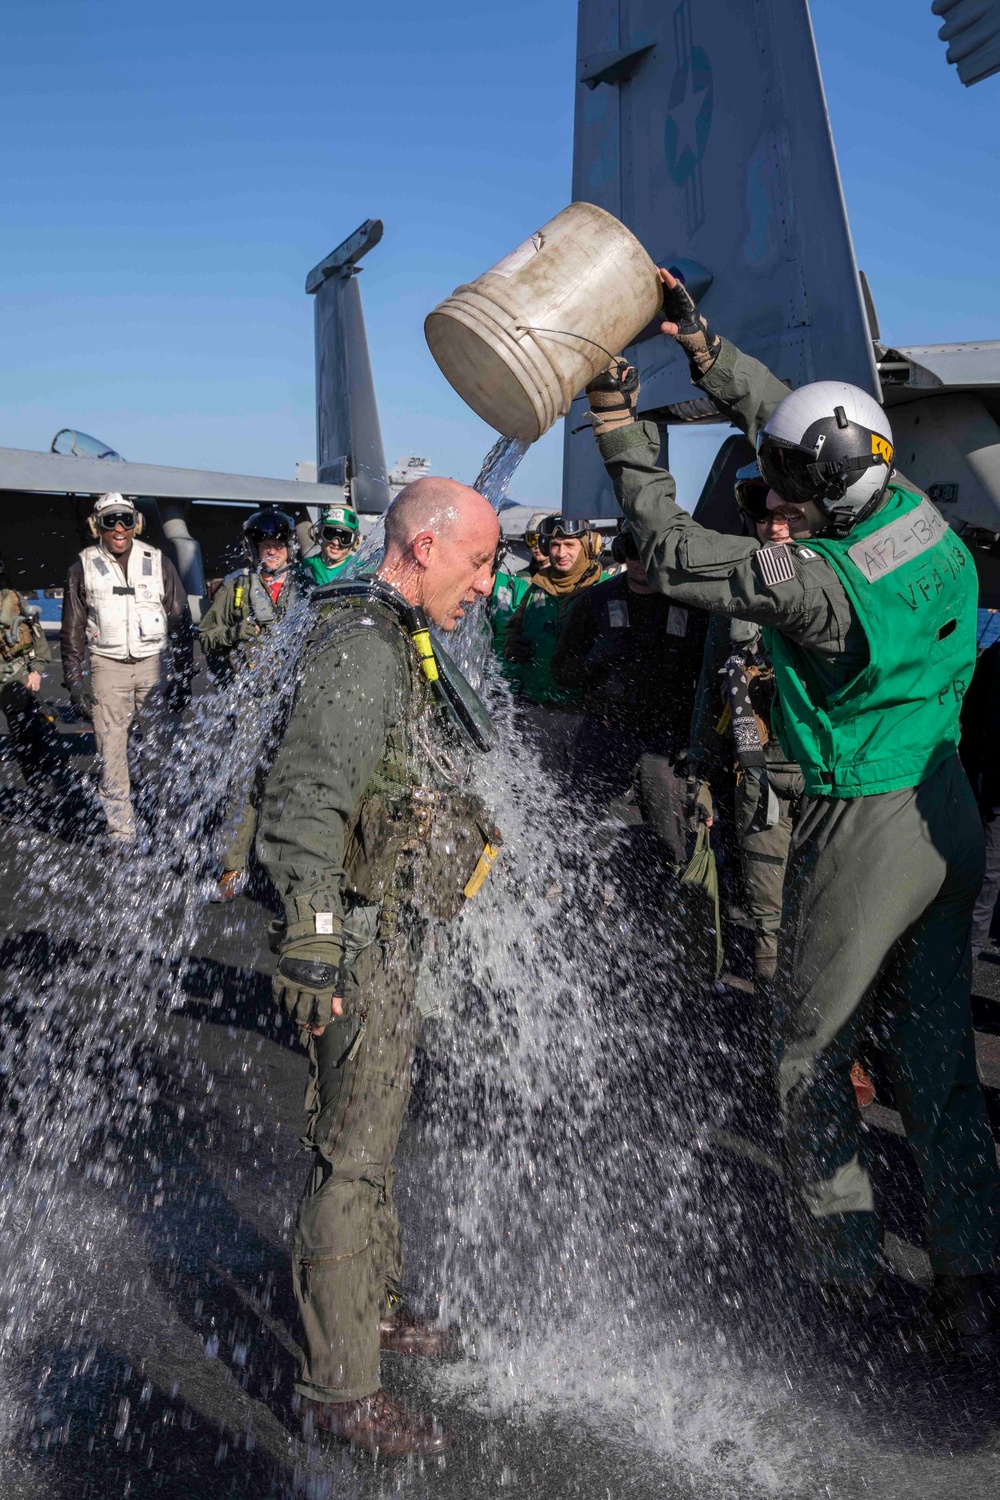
{"points": [[402, 1332], [379, 1425], [864, 1089], [230, 886]]}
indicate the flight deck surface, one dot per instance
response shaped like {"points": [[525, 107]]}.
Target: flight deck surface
{"points": [[159, 1351]]}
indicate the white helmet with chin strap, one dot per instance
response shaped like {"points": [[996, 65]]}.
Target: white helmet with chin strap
{"points": [[830, 443]]}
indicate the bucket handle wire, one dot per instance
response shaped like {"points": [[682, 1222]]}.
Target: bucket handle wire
{"points": [[564, 333]]}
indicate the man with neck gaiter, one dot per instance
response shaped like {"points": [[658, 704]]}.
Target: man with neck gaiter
{"points": [[573, 551]]}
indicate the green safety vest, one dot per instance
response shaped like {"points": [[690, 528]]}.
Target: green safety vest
{"points": [[508, 591], [414, 834], [912, 585], [541, 625], [317, 572]]}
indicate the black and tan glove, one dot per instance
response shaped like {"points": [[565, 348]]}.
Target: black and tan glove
{"points": [[247, 630], [308, 981], [693, 334], [613, 395]]}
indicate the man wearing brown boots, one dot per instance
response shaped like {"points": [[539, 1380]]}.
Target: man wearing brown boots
{"points": [[369, 835]]}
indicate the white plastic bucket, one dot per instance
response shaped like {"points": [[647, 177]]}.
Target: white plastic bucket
{"points": [[521, 341]]}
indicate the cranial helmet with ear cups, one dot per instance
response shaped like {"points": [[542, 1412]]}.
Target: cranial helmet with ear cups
{"points": [[112, 501], [344, 518], [829, 443]]}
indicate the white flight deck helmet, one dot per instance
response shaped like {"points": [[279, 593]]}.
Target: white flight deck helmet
{"points": [[831, 443], [113, 502]]}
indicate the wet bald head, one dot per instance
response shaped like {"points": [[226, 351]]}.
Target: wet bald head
{"points": [[437, 505], [440, 542]]}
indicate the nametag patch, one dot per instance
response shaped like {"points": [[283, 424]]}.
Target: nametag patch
{"points": [[897, 543], [775, 565], [324, 923], [677, 620], [618, 614], [147, 566]]}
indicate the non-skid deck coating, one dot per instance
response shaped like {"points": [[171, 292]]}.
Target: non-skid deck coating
{"points": [[161, 1358]]}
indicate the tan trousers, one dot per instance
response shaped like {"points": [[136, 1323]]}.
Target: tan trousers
{"points": [[123, 694]]}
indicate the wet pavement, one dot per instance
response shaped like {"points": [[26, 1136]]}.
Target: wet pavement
{"points": [[160, 1354]]}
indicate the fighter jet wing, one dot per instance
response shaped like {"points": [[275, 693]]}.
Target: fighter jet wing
{"points": [[921, 367], [60, 473]]}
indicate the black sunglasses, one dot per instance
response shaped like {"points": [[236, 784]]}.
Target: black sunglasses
{"points": [[338, 537], [109, 519]]}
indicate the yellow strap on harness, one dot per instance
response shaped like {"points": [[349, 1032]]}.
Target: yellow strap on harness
{"points": [[428, 665], [723, 723], [481, 871]]}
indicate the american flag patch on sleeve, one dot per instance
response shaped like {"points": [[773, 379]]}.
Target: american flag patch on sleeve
{"points": [[775, 565]]}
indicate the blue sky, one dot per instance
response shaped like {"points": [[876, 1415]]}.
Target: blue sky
{"points": [[167, 182]]}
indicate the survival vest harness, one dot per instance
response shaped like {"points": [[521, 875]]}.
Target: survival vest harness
{"points": [[417, 836], [17, 639]]}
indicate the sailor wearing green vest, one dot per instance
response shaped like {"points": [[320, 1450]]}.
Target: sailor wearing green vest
{"points": [[573, 551], [339, 536], [871, 629], [509, 588]]}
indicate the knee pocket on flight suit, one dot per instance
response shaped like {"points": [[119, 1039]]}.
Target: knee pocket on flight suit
{"points": [[339, 1286], [335, 1222]]}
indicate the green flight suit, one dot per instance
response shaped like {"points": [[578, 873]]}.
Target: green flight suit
{"points": [[879, 887], [24, 649], [241, 597], [341, 824], [767, 798]]}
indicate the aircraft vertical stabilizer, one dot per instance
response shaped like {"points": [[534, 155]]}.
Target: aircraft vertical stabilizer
{"points": [[972, 30], [702, 125], [348, 434]]}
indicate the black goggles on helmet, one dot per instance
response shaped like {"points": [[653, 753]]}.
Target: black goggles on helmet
{"points": [[109, 519], [562, 528], [750, 491], [261, 538], [340, 536], [800, 477], [789, 471], [573, 527]]}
